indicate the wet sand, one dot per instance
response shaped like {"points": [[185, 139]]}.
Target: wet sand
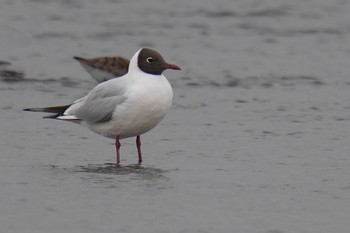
{"points": [[257, 139]]}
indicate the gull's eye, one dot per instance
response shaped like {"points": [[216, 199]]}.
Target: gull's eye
{"points": [[150, 60]]}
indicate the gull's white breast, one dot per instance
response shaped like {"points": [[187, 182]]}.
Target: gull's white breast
{"points": [[148, 99]]}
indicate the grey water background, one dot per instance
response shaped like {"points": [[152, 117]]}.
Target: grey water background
{"points": [[257, 140]]}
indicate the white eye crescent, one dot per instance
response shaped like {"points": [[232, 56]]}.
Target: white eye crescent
{"points": [[150, 59]]}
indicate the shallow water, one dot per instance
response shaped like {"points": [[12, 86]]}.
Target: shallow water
{"points": [[257, 139]]}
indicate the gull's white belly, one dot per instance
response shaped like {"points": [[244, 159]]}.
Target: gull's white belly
{"points": [[140, 113]]}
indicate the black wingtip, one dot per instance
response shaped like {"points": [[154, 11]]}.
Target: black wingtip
{"points": [[32, 109], [52, 109]]}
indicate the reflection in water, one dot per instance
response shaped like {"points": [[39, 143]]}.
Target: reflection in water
{"points": [[111, 176], [110, 168]]}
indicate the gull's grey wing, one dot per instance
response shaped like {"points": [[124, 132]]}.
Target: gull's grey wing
{"points": [[99, 104]]}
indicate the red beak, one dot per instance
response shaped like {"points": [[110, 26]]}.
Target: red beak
{"points": [[171, 66]]}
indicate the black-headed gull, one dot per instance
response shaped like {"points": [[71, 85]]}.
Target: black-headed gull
{"points": [[104, 68], [124, 107]]}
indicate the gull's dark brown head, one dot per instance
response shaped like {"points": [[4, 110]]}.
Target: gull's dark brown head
{"points": [[151, 62]]}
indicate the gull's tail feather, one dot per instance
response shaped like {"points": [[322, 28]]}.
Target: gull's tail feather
{"points": [[57, 110]]}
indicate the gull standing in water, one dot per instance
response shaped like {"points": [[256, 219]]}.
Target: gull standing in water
{"points": [[123, 107]]}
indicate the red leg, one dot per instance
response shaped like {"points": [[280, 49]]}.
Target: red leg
{"points": [[138, 145], [117, 147]]}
